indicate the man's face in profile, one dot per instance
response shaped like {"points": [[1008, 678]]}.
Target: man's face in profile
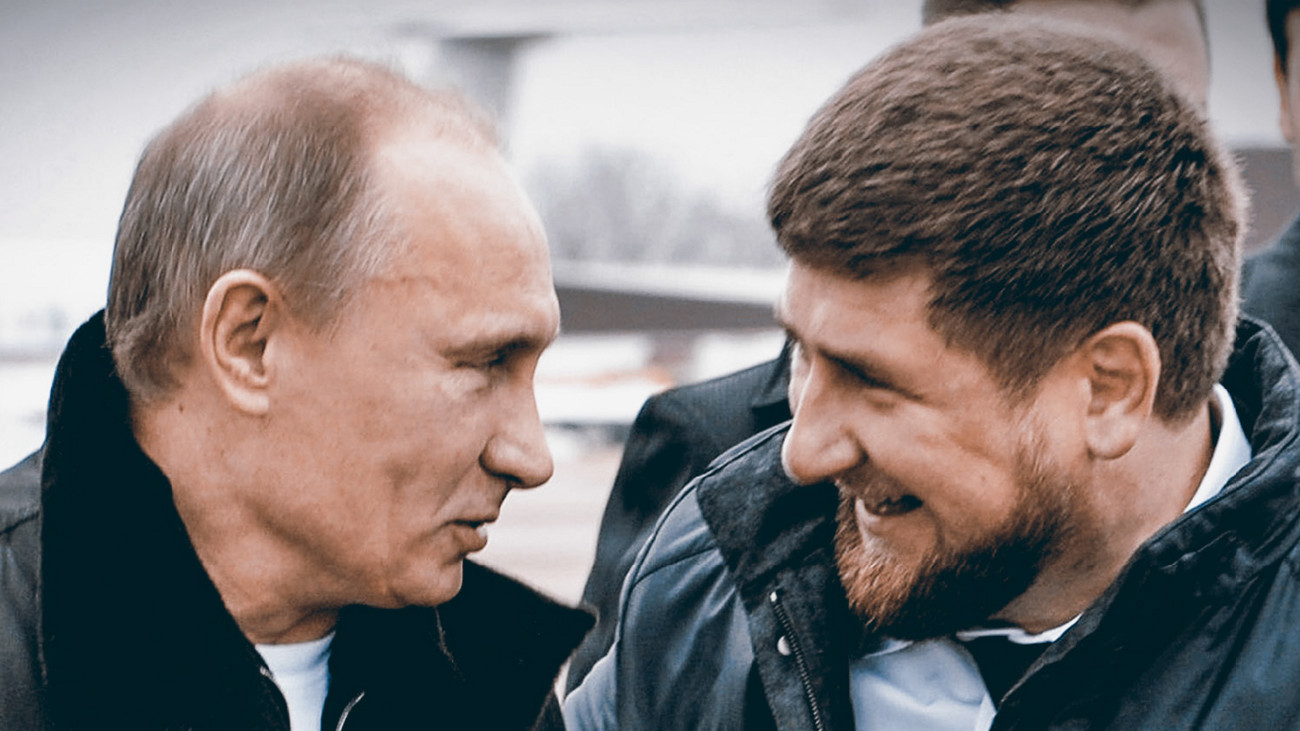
{"points": [[952, 499], [409, 420]]}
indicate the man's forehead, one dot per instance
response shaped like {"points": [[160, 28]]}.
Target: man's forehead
{"points": [[470, 344], [819, 294]]}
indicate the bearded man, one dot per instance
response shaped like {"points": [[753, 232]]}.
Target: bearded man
{"points": [[677, 433], [1031, 480]]}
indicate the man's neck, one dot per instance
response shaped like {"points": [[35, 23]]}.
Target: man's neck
{"points": [[254, 574], [1128, 500]]}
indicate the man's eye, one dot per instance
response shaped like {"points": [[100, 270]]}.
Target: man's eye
{"points": [[494, 361], [861, 376], [489, 363]]}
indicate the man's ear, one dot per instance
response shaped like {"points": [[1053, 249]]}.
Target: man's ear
{"points": [[242, 310], [1121, 365], [1284, 99]]}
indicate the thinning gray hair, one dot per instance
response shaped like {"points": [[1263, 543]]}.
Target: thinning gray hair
{"points": [[273, 174]]}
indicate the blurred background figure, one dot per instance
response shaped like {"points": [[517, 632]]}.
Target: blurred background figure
{"points": [[1271, 290], [1171, 34]]}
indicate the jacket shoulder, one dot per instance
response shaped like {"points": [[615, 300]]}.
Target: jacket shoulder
{"points": [[683, 534], [681, 655], [739, 388], [20, 492], [20, 529], [20, 510], [727, 409]]}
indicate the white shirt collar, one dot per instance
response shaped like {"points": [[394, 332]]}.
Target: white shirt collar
{"points": [[1231, 451]]}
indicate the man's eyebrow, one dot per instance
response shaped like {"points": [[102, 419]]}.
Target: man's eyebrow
{"points": [[500, 345], [862, 369]]}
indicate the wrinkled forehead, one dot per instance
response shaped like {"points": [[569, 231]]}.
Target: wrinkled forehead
{"points": [[463, 198], [467, 235]]}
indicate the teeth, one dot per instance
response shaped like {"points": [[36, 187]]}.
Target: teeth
{"points": [[894, 506], [482, 530]]}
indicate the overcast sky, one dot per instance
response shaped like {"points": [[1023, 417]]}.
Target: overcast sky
{"points": [[83, 85]]}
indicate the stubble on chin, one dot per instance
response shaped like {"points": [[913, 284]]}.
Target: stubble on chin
{"points": [[952, 588]]}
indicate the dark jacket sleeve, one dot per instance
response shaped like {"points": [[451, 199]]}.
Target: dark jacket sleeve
{"points": [[675, 437], [671, 441], [19, 611], [682, 656], [1271, 286]]}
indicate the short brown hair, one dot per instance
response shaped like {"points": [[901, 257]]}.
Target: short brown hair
{"points": [[272, 174], [1051, 185]]}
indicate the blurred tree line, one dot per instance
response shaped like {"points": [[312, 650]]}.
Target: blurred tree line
{"points": [[622, 205]]}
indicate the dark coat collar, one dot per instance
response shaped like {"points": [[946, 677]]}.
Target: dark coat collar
{"points": [[777, 540], [136, 636]]}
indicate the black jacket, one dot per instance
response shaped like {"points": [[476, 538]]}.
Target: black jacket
{"points": [[674, 438], [110, 621], [734, 617], [1271, 286]]}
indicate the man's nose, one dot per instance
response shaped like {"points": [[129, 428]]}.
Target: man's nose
{"points": [[518, 451], [820, 444]]}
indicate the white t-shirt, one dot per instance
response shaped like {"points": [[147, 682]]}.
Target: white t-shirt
{"points": [[301, 671]]}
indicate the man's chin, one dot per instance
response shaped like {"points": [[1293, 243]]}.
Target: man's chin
{"points": [[918, 597], [426, 589]]}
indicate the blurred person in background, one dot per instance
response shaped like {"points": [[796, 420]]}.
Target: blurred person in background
{"points": [[1272, 284], [680, 431], [268, 458], [1039, 474]]}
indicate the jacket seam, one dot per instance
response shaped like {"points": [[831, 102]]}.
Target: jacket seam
{"points": [[20, 519], [672, 564]]}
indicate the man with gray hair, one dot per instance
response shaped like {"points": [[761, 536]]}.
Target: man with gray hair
{"points": [[1039, 475], [268, 458]]}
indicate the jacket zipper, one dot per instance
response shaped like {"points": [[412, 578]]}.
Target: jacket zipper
{"points": [[343, 717], [347, 710], [800, 661]]}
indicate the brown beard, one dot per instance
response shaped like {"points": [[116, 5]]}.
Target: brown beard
{"points": [[957, 587]]}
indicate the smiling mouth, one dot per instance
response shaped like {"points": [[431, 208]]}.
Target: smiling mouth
{"points": [[875, 496], [887, 507]]}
